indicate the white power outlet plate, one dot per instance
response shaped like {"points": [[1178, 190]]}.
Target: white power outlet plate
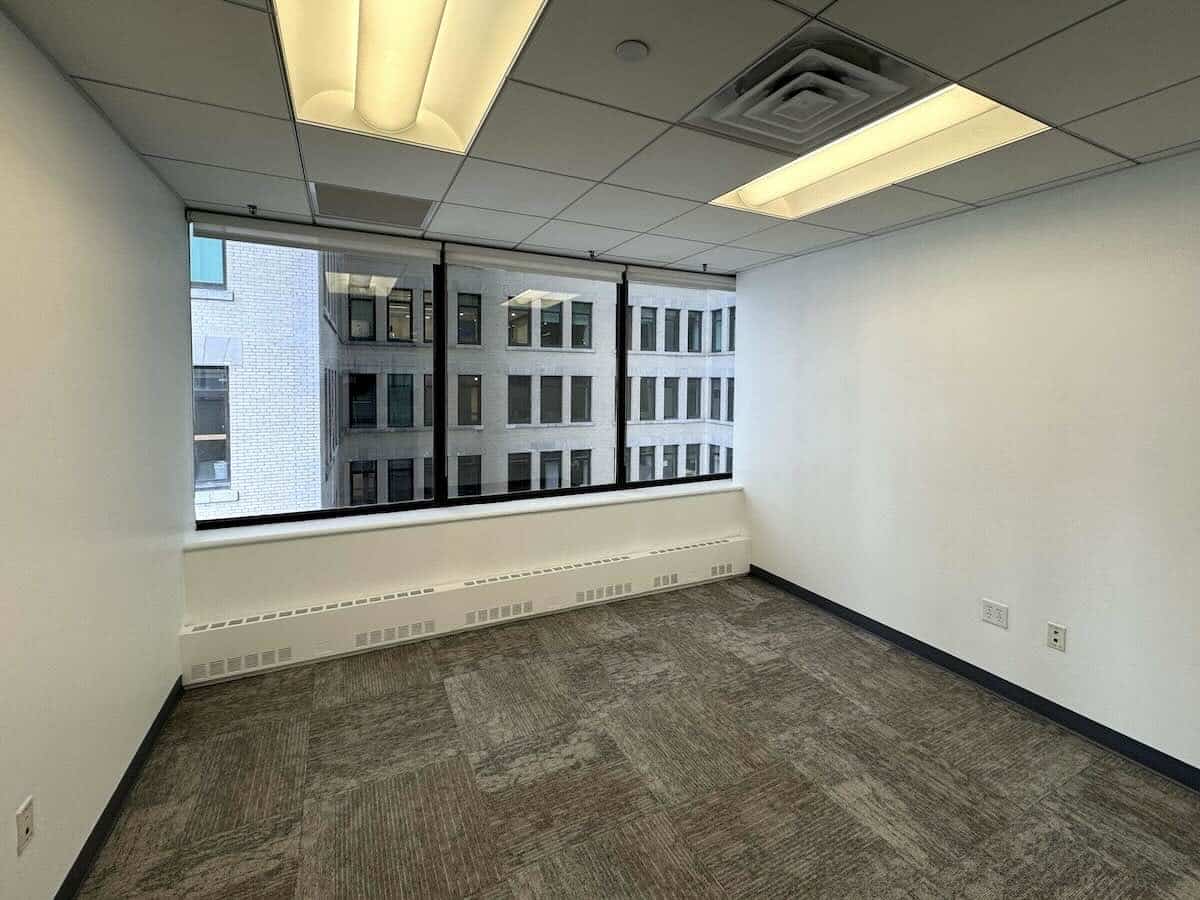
{"points": [[24, 825], [1056, 636], [994, 613]]}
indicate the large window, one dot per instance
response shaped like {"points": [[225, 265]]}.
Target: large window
{"points": [[346, 378], [538, 383], [210, 426], [690, 414]]}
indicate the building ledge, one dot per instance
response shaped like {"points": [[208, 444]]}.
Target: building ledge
{"points": [[286, 531]]}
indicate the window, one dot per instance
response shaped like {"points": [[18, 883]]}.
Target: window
{"points": [[427, 477], [427, 316], [362, 400], [646, 464], [714, 403], [470, 476], [729, 460], [470, 319], [714, 459], [670, 468], [519, 472], [210, 426], [729, 399], [581, 398], [629, 398], [362, 482], [670, 398], [646, 403], [693, 398], [470, 400], [628, 327], [695, 331], [691, 463], [400, 480], [551, 402], [581, 325], [716, 331], [399, 310], [518, 325], [581, 468], [732, 326], [671, 330], [628, 464], [552, 325], [427, 402], [208, 262], [551, 463], [649, 328], [362, 318], [400, 401], [520, 404]]}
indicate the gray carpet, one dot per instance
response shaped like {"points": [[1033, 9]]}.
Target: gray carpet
{"points": [[718, 741]]}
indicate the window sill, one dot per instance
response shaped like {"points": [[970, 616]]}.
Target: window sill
{"points": [[263, 534], [199, 293]]}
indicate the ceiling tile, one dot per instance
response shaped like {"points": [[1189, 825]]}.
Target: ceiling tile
{"points": [[467, 221], [374, 164], [589, 140], [183, 129], [958, 37], [695, 47], [715, 224], [212, 184], [206, 50], [1128, 50], [882, 209], [618, 207], [559, 235], [695, 165], [1141, 127], [728, 259], [656, 248], [1040, 159], [497, 186], [793, 237]]}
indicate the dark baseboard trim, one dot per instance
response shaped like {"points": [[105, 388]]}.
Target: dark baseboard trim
{"points": [[1160, 762], [91, 847]]}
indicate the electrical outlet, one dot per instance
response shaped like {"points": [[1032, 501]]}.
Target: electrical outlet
{"points": [[24, 825], [1056, 636], [995, 613]]}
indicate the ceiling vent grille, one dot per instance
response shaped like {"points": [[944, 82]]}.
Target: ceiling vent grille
{"points": [[817, 86], [337, 202]]}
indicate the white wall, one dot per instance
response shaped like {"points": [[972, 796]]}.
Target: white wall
{"points": [[280, 567], [1000, 404], [95, 343]]}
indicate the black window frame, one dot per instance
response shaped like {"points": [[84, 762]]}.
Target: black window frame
{"points": [[648, 399], [695, 319], [395, 384], [690, 395], [714, 398], [351, 300], [670, 397], [523, 393], [716, 334], [520, 458], [519, 316], [648, 329], [397, 466], [573, 323]]}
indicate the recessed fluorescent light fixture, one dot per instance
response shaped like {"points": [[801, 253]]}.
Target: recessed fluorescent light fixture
{"points": [[419, 71], [946, 127]]}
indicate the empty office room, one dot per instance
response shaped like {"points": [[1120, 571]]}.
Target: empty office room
{"points": [[600, 449]]}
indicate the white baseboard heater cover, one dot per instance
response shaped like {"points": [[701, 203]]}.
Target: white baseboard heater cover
{"points": [[232, 648]]}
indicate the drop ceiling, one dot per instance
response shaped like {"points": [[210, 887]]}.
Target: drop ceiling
{"points": [[583, 153]]}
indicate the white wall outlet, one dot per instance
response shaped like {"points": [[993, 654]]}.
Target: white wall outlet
{"points": [[1056, 636], [994, 613], [24, 825]]}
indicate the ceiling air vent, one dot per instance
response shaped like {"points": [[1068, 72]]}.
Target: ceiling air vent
{"points": [[337, 202], [817, 86]]}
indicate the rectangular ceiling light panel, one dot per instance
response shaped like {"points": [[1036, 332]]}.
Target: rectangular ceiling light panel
{"points": [[420, 71], [948, 126]]}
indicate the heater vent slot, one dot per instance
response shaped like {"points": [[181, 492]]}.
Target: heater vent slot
{"points": [[817, 86]]}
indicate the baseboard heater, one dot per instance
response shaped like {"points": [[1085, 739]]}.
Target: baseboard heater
{"points": [[236, 647]]}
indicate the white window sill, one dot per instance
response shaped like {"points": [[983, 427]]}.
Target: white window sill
{"points": [[262, 534], [211, 294]]}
